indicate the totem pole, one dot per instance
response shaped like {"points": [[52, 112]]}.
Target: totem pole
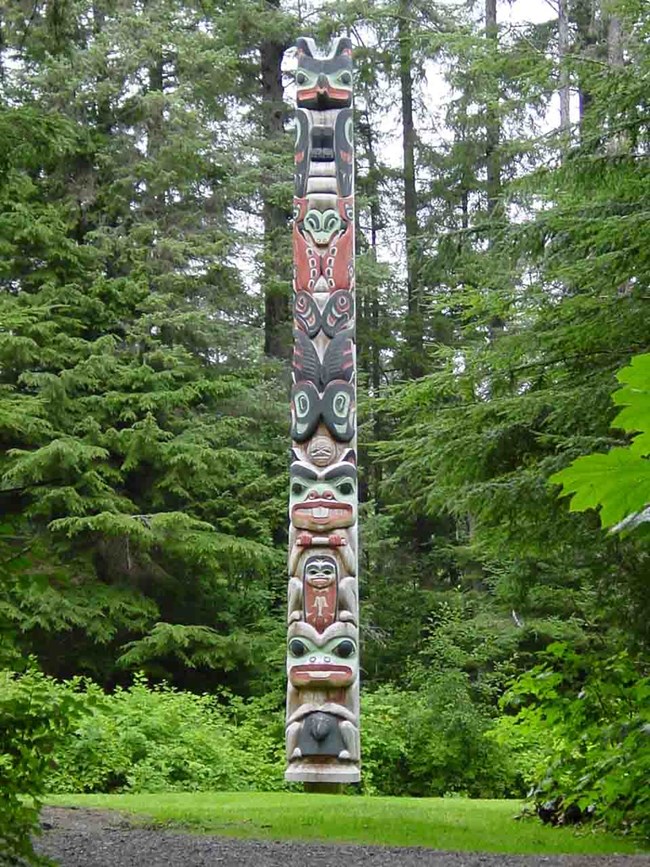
{"points": [[322, 732]]}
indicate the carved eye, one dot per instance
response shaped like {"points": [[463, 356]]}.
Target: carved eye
{"points": [[297, 647], [346, 488], [345, 78], [331, 222], [341, 404], [302, 404], [301, 78], [345, 649], [297, 489]]}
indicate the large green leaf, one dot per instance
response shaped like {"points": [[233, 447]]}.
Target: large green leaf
{"points": [[634, 397], [618, 482]]}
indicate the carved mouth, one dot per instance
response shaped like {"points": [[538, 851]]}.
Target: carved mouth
{"points": [[320, 583], [334, 674], [322, 511], [334, 93]]}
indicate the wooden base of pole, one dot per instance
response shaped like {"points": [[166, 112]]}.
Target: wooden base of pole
{"points": [[324, 788]]}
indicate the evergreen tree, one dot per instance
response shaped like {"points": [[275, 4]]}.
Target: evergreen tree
{"points": [[480, 437], [144, 491]]}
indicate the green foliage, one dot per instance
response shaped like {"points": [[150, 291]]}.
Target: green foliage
{"points": [[534, 300], [141, 444], [542, 312], [156, 740], [428, 741], [618, 482], [35, 717], [582, 734], [431, 742]]}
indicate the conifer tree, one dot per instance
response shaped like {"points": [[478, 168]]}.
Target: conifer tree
{"points": [[141, 486], [482, 436]]}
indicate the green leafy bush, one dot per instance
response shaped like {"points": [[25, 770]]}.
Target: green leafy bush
{"points": [[160, 739], [257, 726], [432, 741], [427, 741], [582, 729], [35, 715]]}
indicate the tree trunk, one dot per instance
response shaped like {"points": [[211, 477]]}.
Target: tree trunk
{"points": [[372, 190], [565, 91], [275, 272], [370, 359], [413, 319], [492, 131], [614, 39], [618, 141], [584, 14]]}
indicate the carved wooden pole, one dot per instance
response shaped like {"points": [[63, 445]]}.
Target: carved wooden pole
{"points": [[323, 612]]}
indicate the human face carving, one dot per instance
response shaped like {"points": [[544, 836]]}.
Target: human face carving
{"points": [[321, 572]]}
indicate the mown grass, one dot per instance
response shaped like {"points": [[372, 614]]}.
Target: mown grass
{"points": [[438, 823]]}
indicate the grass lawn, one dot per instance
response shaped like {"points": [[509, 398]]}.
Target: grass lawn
{"points": [[438, 823]]}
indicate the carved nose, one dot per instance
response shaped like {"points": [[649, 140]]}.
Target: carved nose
{"points": [[322, 81]]}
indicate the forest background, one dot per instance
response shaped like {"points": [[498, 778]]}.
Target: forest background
{"points": [[503, 268]]}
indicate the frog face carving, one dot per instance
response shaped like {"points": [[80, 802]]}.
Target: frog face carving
{"points": [[322, 226], [322, 660], [326, 264], [323, 500]]}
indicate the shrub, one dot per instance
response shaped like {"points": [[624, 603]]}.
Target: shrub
{"points": [[258, 731], [35, 715], [583, 727], [159, 739], [432, 741]]}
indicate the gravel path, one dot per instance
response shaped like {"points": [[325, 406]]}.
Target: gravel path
{"points": [[92, 838]]}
